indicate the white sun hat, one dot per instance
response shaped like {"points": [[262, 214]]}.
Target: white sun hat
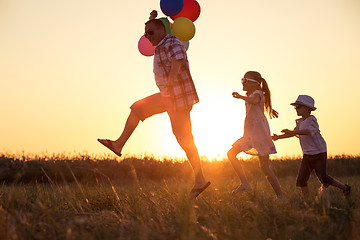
{"points": [[305, 100]]}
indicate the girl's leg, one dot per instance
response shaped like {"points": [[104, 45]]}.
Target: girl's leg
{"points": [[232, 153], [264, 164]]}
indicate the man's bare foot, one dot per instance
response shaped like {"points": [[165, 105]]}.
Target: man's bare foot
{"points": [[110, 145], [198, 189]]}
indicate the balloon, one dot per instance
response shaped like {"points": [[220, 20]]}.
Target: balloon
{"points": [[191, 10], [167, 25], [171, 7], [186, 45], [145, 47], [183, 29]]}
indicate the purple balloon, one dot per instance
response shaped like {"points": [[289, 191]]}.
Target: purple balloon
{"points": [[171, 7]]}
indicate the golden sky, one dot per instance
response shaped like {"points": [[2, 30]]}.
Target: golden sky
{"points": [[69, 70]]}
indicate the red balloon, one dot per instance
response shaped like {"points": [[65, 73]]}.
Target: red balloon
{"points": [[191, 10]]}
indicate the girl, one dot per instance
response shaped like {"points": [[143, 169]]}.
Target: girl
{"points": [[257, 138]]}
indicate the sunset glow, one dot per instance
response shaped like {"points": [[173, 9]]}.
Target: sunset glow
{"points": [[69, 71]]}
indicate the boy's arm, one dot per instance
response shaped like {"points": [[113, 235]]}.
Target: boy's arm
{"points": [[290, 133], [296, 132], [285, 135]]}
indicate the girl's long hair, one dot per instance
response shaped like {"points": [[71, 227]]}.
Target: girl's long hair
{"points": [[264, 87]]}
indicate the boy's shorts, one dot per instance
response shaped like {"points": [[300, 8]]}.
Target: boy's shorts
{"points": [[316, 162], [155, 104]]}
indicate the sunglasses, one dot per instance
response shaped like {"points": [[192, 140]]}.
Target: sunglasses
{"points": [[298, 106], [245, 80], [149, 33]]}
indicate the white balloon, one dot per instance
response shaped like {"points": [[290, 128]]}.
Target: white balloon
{"points": [[186, 45]]}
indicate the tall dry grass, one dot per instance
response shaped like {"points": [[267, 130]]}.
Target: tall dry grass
{"points": [[61, 168], [84, 198]]}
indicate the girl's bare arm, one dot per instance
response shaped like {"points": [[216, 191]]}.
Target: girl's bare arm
{"points": [[253, 99]]}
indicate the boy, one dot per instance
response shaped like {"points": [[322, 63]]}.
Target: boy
{"points": [[313, 146]]}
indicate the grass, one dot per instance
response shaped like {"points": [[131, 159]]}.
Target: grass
{"points": [[146, 199]]}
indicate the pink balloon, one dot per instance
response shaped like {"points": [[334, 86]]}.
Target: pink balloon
{"points": [[191, 10], [145, 47]]}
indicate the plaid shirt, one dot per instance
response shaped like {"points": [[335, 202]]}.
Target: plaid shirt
{"points": [[183, 89]]}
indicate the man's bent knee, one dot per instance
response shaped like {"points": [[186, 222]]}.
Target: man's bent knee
{"points": [[149, 106]]}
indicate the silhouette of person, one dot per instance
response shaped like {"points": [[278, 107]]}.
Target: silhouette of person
{"points": [[257, 138], [313, 146], [176, 97]]}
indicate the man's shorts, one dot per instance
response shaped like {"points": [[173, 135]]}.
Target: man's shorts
{"points": [[315, 162], [155, 104], [151, 105]]}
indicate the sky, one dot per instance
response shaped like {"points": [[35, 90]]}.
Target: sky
{"points": [[70, 70]]}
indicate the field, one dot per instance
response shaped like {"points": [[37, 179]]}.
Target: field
{"points": [[83, 197]]}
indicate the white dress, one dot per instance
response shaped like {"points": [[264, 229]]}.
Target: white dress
{"points": [[257, 137]]}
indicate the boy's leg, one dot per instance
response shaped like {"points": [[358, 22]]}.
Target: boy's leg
{"points": [[321, 172], [303, 176], [339, 184], [305, 192], [264, 164], [318, 163]]}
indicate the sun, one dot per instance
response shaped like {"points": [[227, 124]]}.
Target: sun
{"points": [[215, 128]]}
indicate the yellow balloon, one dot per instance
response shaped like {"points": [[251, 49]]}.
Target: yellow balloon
{"points": [[183, 28]]}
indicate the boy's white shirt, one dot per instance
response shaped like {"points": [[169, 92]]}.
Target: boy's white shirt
{"points": [[314, 143]]}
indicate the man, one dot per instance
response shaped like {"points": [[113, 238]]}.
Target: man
{"points": [[176, 97]]}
